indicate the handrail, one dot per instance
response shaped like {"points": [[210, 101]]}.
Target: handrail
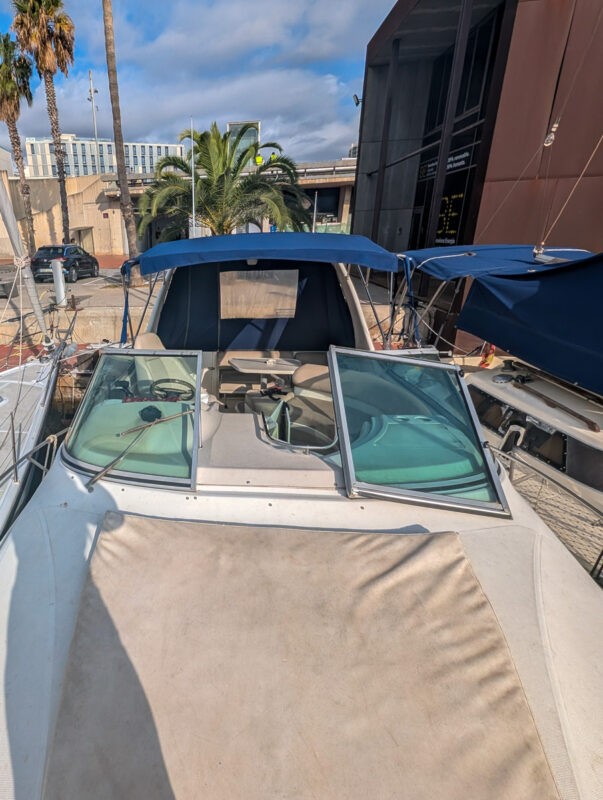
{"points": [[547, 477], [596, 570], [50, 441]]}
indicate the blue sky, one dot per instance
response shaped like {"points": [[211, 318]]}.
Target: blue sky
{"points": [[293, 65]]}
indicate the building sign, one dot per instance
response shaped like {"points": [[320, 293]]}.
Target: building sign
{"points": [[457, 160], [449, 219]]}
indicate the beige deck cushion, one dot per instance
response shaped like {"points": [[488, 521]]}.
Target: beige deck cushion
{"points": [[148, 341], [312, 376], [224, 662]]}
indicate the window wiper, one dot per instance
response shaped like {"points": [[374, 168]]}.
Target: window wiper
{"points": [[140, 429]]}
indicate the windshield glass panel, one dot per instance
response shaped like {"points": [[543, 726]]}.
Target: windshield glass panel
{"points": [[258, 294], [410, 429], [144, 404]]}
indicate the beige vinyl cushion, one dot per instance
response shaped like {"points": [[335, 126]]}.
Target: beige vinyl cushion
{"points": [[312, 377], [148, 341], [225, 662]]}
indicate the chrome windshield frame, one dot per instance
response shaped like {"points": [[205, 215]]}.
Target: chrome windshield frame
{"points": [[356, 487]]}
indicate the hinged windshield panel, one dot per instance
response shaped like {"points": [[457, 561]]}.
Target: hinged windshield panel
{"points": [[140, 415], [408, 430]]}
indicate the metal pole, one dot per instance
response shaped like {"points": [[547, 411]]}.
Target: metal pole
{"points": [[315, 210], [22, 261], [91, 92], [59, 282], [14, 448], [194, 222]]}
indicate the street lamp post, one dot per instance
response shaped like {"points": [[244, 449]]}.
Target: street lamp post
{"points": [[91, 92]]}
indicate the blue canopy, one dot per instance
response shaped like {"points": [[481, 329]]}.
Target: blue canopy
{"points": [[315, 247], [551, 319], [547, 314], [461, 261]]}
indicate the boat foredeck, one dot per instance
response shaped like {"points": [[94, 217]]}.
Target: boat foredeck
{"points": [[239, 453]]}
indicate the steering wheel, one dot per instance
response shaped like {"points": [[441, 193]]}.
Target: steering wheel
{"points": [[169, 387]]}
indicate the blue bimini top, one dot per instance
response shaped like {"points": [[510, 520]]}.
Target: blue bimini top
{"points": [[315, 247]]}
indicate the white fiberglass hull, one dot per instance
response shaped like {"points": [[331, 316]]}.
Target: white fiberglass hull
{"points": [[525, 571]]}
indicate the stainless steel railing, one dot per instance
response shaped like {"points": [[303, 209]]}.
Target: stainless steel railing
{"points": [[511, 460], [49, 445]]}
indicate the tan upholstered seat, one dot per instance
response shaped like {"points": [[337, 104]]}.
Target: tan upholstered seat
{"points": [[312, 377], [148, 341]]}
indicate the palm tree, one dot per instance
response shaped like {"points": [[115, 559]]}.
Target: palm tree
{"points": [[229, 192], [46, 32], [122, 178], [15, 74]]}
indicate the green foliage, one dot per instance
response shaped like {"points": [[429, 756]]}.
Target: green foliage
{"points": [[228, 191], [47, 32], [15, 75]]}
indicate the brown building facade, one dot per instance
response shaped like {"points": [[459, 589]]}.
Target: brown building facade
{"points": [[482, 122]]}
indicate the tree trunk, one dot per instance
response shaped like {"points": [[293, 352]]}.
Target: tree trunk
{"points": [[53, 113], [122, 178], [15, 143]]}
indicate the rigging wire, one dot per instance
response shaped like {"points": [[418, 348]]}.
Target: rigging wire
{"points": [[550, 137], [573, 189], [506, 197]]}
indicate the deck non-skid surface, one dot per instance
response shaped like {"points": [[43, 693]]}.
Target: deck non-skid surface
{"points": [[221, 661], [238, 453]]}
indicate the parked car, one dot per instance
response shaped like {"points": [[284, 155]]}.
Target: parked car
{"points": [[76, 262]]}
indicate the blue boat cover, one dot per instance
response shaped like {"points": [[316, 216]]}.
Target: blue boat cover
{"points": [[549, 319], [190, 317], [314, 247], [546, 314], [462, 261]]}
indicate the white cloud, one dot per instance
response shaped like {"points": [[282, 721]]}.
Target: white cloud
{"points": [[294, 66]]}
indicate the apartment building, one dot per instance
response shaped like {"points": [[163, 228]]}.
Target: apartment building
{"points": [[93, 157]]}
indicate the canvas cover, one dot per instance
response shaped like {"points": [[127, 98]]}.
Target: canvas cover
{"points": [[550, 319], [547, 314], [190, 317], [224, 661], [475, 261], [324, 247]]}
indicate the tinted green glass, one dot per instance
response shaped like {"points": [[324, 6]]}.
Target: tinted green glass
{"points": [[126, 393], [410, 428]]}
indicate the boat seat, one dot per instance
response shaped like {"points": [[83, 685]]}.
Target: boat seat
{"points": [[311, 356], [311, 377], [156, 368], [148, 341]]}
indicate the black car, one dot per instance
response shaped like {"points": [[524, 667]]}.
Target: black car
{"points": [[76, 262]]}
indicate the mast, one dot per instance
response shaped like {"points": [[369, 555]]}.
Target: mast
{"points": [[21, 260]]}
